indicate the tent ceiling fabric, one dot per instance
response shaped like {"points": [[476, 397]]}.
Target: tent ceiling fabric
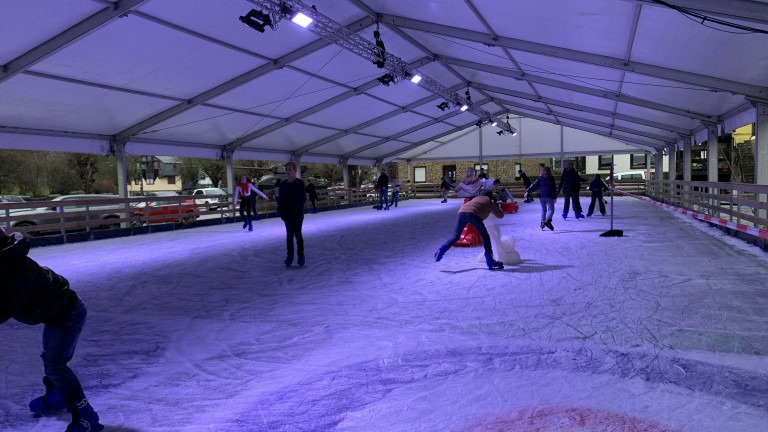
{"points": [[186, 78]]}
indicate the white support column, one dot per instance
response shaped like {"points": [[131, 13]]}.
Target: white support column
{"points": [[229, 165], [297, 160], [122, 181], [659, 172], [761, 144], [712, 152], [344, 162], [480, 139], [672, 162], [562, 149], [408, 168], [687, 157]]}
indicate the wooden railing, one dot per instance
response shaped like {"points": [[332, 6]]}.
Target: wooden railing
{"points": [[740, 203]]}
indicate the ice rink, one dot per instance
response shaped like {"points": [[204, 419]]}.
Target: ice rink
{"points": [[204, 329]]}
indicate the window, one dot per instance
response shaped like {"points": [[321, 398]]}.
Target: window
{"points": [[605, 162], [449, 172], [484, 167], [518, 167], [420, 174], [171, 180], [637, 161]]}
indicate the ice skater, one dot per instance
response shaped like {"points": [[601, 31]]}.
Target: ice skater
{"points": [[597, 187], [34, 295], [474, 213], [505, 196], [547, 196], [395, 191], [243, 189], [446, 186], [526, 183], [469, 186], [253, 203], [383, 184], [312, 195], [570, 185], [291, 210]]}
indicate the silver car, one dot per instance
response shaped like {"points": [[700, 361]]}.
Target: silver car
{"points": [[55, 214]]}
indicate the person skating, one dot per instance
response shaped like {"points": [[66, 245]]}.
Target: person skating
{"points": [[312, 195], [395, 191], [570, 184], [547, 196], [446, 186], [526, 183], [383, 184], [243, 189], [474, 213], [32, 294], [291, 209], [597, 187]]}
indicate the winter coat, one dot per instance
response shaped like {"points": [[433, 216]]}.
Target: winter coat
{"points": [[547, 185], [481, 206], [383, 182], [526, 180], [30, 293], [292, 199], [570, 181], [445, 185], [598, 187], [311, 191]]}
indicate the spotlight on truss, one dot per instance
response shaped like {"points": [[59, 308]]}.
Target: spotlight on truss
{"points": [[464, 107], [386, 79], [416, 78], [479, 123], [494, 123], [444, 106], [257, 20], [500, 133]]}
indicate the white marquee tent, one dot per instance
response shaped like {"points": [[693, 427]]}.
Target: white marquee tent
{"points": [[187, 78]]}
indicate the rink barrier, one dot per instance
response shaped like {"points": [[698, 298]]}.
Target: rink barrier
{"points": [[758, 232]]}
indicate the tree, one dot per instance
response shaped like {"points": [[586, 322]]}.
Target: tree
{"points": [[85, 167]]}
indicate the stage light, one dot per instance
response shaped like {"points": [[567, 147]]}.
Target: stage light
{"points": [[464, 107], [494, 123], [514, 132], [479, 123], [444, 106], [416, 78], [386, 79], [500, 133], [257, 20], [302, 20]]}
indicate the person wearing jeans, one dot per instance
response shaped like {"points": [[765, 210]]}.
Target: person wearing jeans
{"points": [[383, 184], [547, 196], [474, 213]]}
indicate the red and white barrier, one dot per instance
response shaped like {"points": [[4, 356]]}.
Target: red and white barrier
{"points": [[707, 218]]}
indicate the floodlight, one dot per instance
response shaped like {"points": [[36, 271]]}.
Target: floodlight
{"points": [[494, 123], [479, 123], [444, 106], [514, 132], [500, 133], [464, 107], [416, 78], [302, 20], [386, 79], [257, 20]]}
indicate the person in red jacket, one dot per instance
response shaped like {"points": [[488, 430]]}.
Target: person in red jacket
{"points": [[474, 213], [32, 294]]}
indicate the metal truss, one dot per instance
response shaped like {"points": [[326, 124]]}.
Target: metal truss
{"points": [[339, 35]]}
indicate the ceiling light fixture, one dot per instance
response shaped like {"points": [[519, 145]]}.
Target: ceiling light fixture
{"points": [[416, 78], [444, 106], [386, 79], [257, 20]]}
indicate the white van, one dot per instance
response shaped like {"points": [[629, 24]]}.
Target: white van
{"points": [[628, 175]]}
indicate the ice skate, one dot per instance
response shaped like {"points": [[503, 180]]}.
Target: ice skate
{"points": [[579, 216], [50, 401], [444, 201], [548, 224], [565, 215], [300, 261], [441, 251], [84, 418], [493, 264], [288, 261], [589, 214], [250, 227], [542, 225], [245, 224]]}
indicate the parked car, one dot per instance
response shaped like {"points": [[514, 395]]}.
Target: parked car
{"points": [[627, 175], [14, 199], [162, 193], [166, 211], [52, 215], [208, 196]]}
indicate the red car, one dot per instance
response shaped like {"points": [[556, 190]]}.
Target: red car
{"points": [[166, 211]]}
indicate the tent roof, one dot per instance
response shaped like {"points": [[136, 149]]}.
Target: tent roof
{"points": [[186, 78]]}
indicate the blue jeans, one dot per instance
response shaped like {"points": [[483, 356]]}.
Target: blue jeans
{"points": [[59, 342], [395, 195], [547, 207], [472, 219], [383, 197]]}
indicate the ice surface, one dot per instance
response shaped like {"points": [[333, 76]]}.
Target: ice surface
{"points": [[204, 329]]}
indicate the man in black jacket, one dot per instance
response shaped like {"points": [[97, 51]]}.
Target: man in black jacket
{"points": [[570, 184], [383, 184], [291, 208], [33, 295]]}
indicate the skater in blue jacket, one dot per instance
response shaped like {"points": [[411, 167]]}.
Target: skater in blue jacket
{"points": [[33, 295], [547, 196]]}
